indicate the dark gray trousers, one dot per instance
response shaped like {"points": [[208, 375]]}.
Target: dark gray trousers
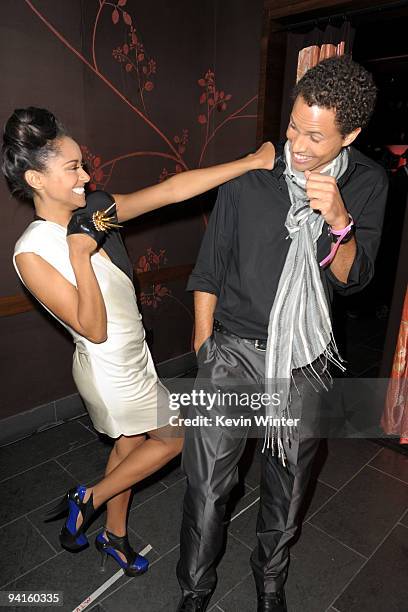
{"points": [[210, 459]]}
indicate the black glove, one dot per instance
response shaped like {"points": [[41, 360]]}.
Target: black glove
{"points": [[83, 224], [99, 200]]}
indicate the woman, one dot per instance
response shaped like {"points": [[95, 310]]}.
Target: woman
{"points": [[84, 280]]}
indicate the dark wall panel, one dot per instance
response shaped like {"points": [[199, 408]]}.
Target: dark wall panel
{"points": [[128, 83]]}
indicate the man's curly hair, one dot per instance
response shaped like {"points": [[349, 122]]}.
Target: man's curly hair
{"points": [[340, 84]]}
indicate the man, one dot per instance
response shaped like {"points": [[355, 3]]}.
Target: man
{"points": [[262, 308]]}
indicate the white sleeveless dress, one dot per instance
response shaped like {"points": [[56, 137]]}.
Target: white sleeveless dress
{"points": [[117, 378]]}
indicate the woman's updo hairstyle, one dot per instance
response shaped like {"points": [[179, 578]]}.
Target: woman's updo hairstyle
{"points": [[30, 138]]}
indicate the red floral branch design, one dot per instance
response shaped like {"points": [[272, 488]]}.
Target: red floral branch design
{"points": [[181, 142], [140, 63], [132, 55], [93, 166], [152, 261], [231, 117], [212, 97], [215, 100], [101, 76], [98, 14], [100, 178]]}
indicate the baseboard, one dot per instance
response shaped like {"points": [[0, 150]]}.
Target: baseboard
{"points": [[177, 366], [23, 424]]}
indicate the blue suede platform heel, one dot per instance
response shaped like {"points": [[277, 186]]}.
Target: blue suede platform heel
{"points": [[111, 544], [71, 538]]}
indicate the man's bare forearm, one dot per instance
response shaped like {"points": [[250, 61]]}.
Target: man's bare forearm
{"points": [[343, 260], [204, 308]]}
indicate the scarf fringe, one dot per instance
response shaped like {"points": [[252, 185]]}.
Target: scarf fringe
{"points": [[333, 355], [273, 440], [276, 434]]}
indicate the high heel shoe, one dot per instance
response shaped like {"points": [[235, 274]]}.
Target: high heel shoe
{"points": [[111, 544], [71, 538]]}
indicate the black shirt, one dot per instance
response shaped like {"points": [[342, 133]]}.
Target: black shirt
{"points": [[245, 245]]}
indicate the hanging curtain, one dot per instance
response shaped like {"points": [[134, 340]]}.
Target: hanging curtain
{"points": [[395, 418], [305, 50], [310, 56]]}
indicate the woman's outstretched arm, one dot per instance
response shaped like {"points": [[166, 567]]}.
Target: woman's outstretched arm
{"points": [[191, 183]]}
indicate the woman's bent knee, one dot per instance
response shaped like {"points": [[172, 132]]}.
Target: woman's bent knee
{"points": [[126, 444]]}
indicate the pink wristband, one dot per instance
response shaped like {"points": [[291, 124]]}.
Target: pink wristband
{"points": [[341, 234]]}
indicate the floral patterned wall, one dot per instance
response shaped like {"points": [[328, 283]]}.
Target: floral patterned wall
{"points": [[148, 89]]}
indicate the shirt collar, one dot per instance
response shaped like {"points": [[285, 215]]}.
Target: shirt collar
{"points": [[355, 157], [358, 158]]}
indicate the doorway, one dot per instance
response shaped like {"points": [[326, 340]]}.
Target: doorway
{"points": [[369, 320]]}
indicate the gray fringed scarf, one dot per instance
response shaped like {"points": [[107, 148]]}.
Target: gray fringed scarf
{"points": [[299, 328]]}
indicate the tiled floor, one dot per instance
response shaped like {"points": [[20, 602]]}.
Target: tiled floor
{"points": [[351, 555]]}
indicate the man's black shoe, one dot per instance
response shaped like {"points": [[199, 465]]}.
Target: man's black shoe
{"points": [[194, 603], [272, 602]]}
